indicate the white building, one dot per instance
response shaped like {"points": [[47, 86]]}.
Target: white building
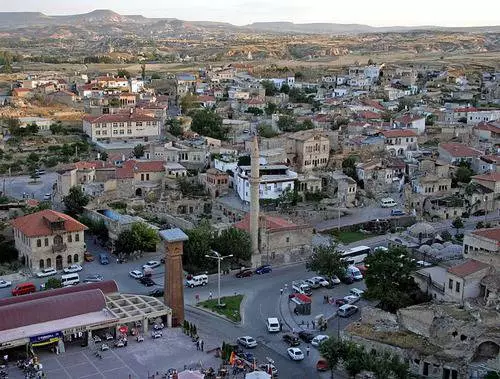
{"points": [[274, 180], [476, 117], [121, 126], [398, 141]]}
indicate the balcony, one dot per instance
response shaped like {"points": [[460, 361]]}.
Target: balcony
{"points": [[59, 248]]}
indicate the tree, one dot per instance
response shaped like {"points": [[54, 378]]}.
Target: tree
{"points": [[32, 128], [155, 75], [234, 241], [175, 127], [327, 261], [285, 88], [188, 102], [122, 73], [457, 224], [331, 352], [208, 123], [463, 174], [143, 71], [32, 158], [266, 131], [270, 108], [269, 87], [56, 128], [114, 102], [349, 167], [140, 237], [197, 246], [104, 156], [53, 283], [255, 111], [287, 123], [307, 124], [389, 279], [75, 200], [138, 151]]}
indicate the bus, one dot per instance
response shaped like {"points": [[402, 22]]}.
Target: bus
{"points": [[356, 255]]}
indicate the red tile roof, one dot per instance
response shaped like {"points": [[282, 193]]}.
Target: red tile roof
{"points": [[272, 223], [490, 233], [487, 127], [394, 133], [491, 177], [458, 150], [465, 269], [374, 104], [37, 224], [369, 115], [408, 118], [118, 117], [466, 109], [254, 101], [145, 166]]}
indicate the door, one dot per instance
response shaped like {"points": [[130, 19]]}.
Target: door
{"points": [[59, 262]]}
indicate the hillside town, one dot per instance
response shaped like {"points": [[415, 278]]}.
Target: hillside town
{"points": [[378, 167]]}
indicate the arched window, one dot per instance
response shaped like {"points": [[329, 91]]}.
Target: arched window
{"points": [[49, 262], [75, 258], [58, 240], [41, 264], [69, 259]]}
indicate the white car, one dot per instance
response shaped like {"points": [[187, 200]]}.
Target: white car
{"points": [[356, 292], [136, 274], [5, 283], [423, 264], [151, 264], [295, 353], [73, 268], [46, 272], [316, 341], [321, 281], [247, 341], [351, 299], [156, 334], [335, 279]]}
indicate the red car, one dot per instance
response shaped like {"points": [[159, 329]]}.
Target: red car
{"points": [[244, 273], [340, 301], [322, 365]]}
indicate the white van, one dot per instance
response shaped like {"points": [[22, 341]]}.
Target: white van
{"points": [[198, 280], [353, 272], [387, 202], [273, 325], [70, 279]]}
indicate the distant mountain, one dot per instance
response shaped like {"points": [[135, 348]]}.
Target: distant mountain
{"points": [[15, 20]]}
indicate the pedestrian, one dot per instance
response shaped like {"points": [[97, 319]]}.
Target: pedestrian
{"points": [[197, 297], [210, 295], [198, 345], [325, 299], [202, 344], [313, 324], [6, 359], [307, 350], [281, 291], [307, 324], [281, 325]]}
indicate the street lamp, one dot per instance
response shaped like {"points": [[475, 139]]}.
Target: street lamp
{"points": [[219, 259]]}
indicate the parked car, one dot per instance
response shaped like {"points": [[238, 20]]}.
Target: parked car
{"points": [[295, 353], [314, 284], [136, 274], [244, 273], [5, 283], [47, 197], [264, 269], [157, 292], [335, 279], [104, 347], [108, 337], [266, 367], [247, 341], [197, 280], [321, 281], [347, 280], [151, 265], [96, 338], [148, 282], [306, 336], [356, 292], [387, 202], [347, 310], [316, 341], [291, 339], [156, 334], [322, 365], [397, 212], [93, 278], [87, 257], [46, 272], [351, 299], [423, 264], [119, 343], [73, 268]]}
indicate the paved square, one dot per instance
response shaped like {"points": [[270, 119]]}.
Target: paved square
{"points": [[137, 360]]}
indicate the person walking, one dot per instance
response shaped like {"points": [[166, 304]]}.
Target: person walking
{"points": [[210, 295], [281, 291], [198, 345], [286, 286], [308, 349], [313, 324], [307, 324], [202, 344]]}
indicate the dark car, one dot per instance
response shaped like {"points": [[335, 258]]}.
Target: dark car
{"points": [[103, 259], [157, 293], [147, 281], [347, 280], [244, 273], [397, 212], [306, 336], [291, 339], [264, 269]]}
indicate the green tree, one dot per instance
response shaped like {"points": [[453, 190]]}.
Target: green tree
{"points": [[75, 200], [138, 151], [140, 237], [244, 160], [269, 87], [331, 352], [197, 246], [266, 131], [327, 261], [255, 111], [104, 156], [349, 167], [32, 158], [287, 123], [389, 279], [175, 127], [56, 128], [233, 241], [53, 283], [188, 102], [122, 73], [297, 96], [32, 128], [307, 124], [270, 108], [155, 76], [208, 123], [492, 375], [114, 102], [285, 88], [463, 174], [457, 224]]}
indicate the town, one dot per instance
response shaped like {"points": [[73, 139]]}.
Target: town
{"points": [[247, 219]]}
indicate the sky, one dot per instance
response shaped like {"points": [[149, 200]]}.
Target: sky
{"points": [[241, 12]]}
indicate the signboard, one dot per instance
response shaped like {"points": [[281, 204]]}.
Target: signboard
{"points": [[45, 337]]}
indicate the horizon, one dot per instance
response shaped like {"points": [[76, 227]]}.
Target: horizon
{"points": [[383, 13]]}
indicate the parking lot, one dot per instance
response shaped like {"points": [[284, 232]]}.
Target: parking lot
{"points": [[136, 360]]}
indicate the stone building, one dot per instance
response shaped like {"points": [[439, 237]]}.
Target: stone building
{"points": [[215, 182], [280, 241], [308, 149], [340, 186], [483, 245], [49, 239]]}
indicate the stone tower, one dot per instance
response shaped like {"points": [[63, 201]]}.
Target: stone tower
{"points": [[254, 202], [174, 274]]}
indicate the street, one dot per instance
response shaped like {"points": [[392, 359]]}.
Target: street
{"points": [[16, 186]]}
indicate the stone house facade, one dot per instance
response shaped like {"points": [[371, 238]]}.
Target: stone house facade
{"points": [[308, 149], [49, 239], [215, 182], [483, 245]]}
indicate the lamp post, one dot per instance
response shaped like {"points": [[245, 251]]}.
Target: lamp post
{"points": [[219, 259]]}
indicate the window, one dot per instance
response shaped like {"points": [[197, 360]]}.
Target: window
{"points": [[115, 124], [122, 131], [138, 123], [287, 239], [104, 132], [46, 242], [450, 284], [115, 131], [38, 243], [129, 131], [77, 237], [457, 287], [70, 238], [75, 258], [98, 132]]}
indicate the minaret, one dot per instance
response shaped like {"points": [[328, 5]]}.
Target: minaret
{"points": [[254, 202]]}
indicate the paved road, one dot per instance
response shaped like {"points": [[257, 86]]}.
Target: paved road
{"points": [[16, 186]]}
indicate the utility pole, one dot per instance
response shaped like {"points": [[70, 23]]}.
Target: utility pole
{"points": [[219, 259]]}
